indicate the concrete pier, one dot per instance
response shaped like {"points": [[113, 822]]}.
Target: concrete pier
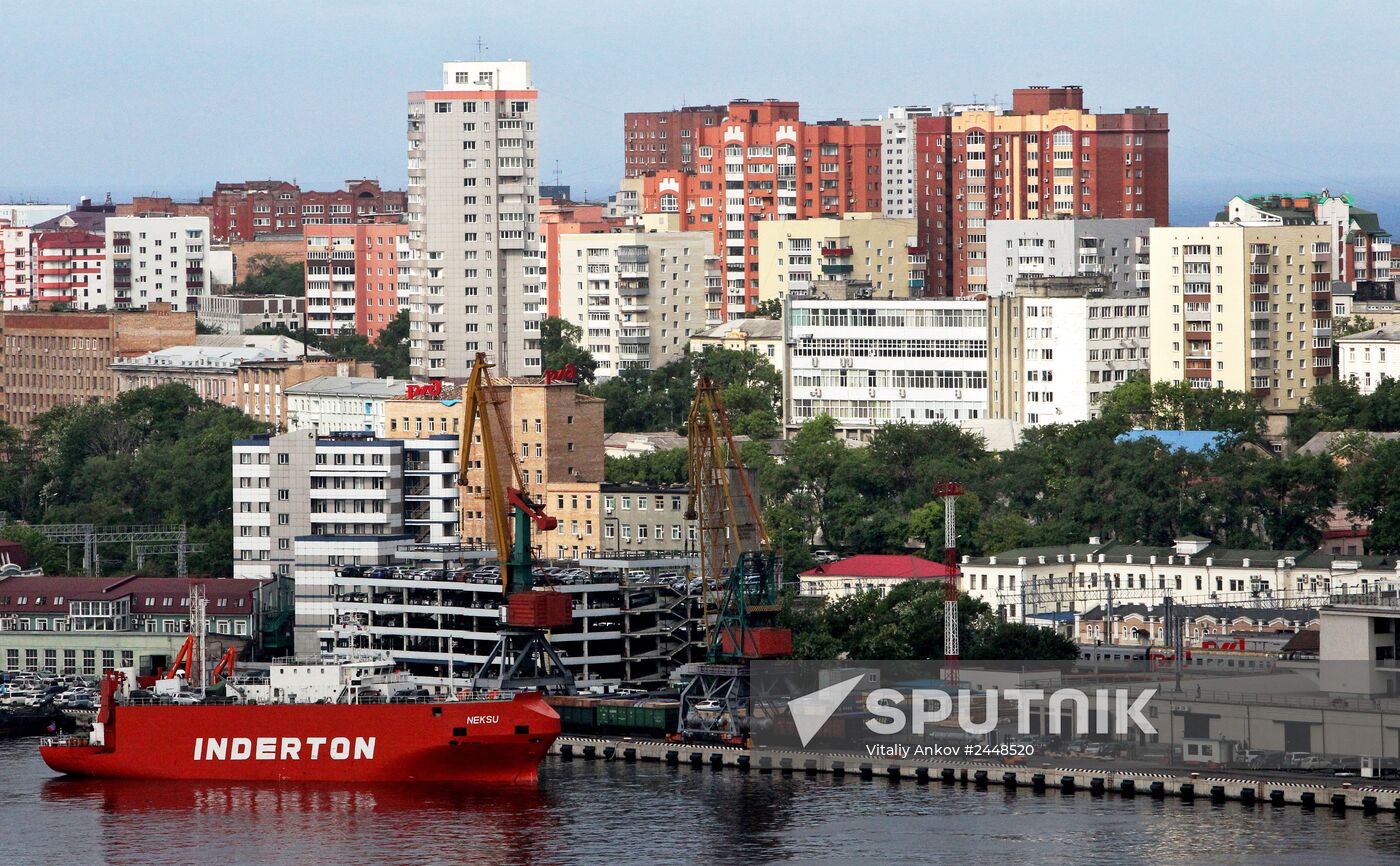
{"points": [[1213, 785]]}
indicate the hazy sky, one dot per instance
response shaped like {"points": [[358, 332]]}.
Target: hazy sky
{"points": [[168, 97]]}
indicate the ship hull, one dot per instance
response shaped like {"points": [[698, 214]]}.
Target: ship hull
{"points": [[496, 742]]}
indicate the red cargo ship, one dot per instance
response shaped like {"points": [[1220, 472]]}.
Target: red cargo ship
{"points": [[314, 721]]}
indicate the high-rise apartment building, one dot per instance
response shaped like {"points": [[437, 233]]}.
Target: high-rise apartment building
{"points": [[242, 211], [637, 296], [50, 359], [1243, 307], [16, 274], [472, 219], [1070, 247], [1059, 344], [762, 162], [1046, 157], [353, 275], [666, 140], [899, 157], [839, 257]]}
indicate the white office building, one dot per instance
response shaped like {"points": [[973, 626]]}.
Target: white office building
{"points": [[473, 213], [868, 363]]}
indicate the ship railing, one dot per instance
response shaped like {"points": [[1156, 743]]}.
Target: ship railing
{"points": [[65, 742]]}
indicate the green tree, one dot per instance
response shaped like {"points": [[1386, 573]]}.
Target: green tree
{"points": [[668, 466], [1139, 402], [559, 347], [44, 553], [390, 354], [1348, 325], [1371, 489], [271, 275], [772, 308], [1330, 406]]}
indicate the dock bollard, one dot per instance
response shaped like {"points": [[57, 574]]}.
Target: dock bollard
{"points": [[1247, 796], [566, 752], [672, 756], [1309, 799], [1096, 786], [921, 775], [696, 759], [1217, 793], [947, 775], [1009, 780], [866, 771], [809, 766], [838, 768], [980, 778], [716, 761], [1369, 806], [742, 762], [893, 772], [629, 755], [1128, 788], [1188, 791], [1067, 784], [1339, 801], [1158, 789], [590, 753], [1038, 782], [1276, 798], [609, 752]]}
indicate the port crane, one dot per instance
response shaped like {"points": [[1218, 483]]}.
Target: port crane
{"points": [[740, 577], [523, 657]]}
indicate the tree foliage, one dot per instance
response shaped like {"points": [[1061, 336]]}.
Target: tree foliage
{"points": [[154, 455], [1139, 402], [659, 467], [388, 352], [559, 347], [265, 274], [641, 401], [907, 624]]}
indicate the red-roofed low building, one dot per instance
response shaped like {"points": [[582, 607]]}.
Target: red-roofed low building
{"points": [[856, 574], [84, 625]]}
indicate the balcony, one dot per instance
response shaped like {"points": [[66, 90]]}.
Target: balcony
{"points": [[632, 288], [916, 284], [1198, 335], [837, 269], [837, 251], [1257, 278]]}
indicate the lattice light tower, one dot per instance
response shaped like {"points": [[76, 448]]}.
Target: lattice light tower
{"points": [[949, 491]]}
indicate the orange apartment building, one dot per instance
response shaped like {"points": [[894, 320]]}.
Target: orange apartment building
{"points": [[54, 359], [1046, 158], [353, 275], [666, 140], [762, 162]]}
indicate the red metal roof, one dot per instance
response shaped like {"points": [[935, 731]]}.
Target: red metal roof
{"points": [[51, 588], [881, 565]]}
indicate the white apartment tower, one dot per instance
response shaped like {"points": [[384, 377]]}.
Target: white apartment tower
{"points": [[473, 190], [899, 163]]}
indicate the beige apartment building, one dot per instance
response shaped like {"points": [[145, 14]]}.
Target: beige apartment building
{"points": [[261, 386], [840, 257], [1243, 307], [637, 296]]}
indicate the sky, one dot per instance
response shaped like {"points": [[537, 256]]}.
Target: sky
{"points": [[169, 97]]}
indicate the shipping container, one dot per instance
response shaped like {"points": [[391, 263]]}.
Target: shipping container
{"points": [[760, 643], [540, 609]]}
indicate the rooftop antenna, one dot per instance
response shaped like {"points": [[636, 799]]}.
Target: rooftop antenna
{"points": [[480, 48], [556, 172]]}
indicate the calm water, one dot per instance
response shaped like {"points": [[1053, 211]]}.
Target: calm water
{"points": [[647, 813]]}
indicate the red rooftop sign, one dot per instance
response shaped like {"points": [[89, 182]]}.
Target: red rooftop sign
{"points": [[568, 373], [432, 389]]}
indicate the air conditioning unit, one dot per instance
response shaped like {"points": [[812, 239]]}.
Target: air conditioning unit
{"points": [[957, 393], [872, 392], [845, 362], [902, 392], [608, 509]]}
